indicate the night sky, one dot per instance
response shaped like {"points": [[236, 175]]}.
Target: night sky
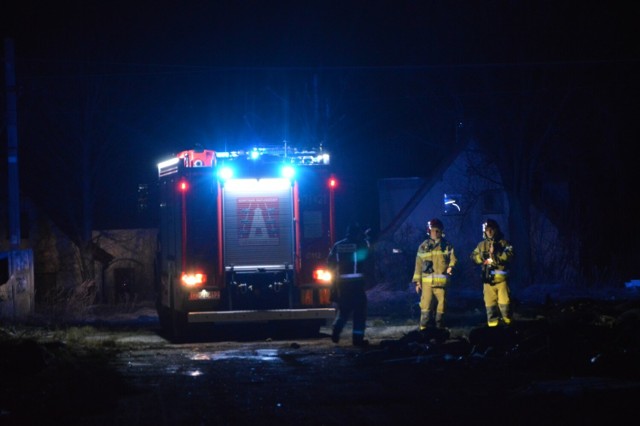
{"points": [[381, 84]]}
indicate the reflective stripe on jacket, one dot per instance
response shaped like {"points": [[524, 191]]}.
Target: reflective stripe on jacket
{"points": [[502, 256], [432, 260], [350, 259], [503, 253]]}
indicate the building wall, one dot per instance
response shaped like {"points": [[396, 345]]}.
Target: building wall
{"points": [[553, 259], [57, 271], [475, 186], [130, 275], [17, 292]]}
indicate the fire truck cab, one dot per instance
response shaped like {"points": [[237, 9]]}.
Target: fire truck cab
{"points": [[243, 238]]}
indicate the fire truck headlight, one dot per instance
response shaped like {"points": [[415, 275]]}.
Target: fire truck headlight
{"points": [[323, 276], [194, 280]]}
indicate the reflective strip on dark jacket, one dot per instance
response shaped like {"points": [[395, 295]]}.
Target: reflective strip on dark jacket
{"points": [[349, 259], [432, 260]]}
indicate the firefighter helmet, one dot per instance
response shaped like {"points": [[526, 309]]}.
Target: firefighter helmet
{"points": [[490, 223], [354, 230], [435, 223]]}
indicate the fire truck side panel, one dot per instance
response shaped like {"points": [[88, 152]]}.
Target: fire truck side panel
{"points": [[200, 229], [188, 236], [169, 236], [315, 210]]}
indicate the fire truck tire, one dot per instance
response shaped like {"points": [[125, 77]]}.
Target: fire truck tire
{"points": [[173, 323], [179, 326]]}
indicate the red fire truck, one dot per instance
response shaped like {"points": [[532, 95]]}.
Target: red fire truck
{"points": [[243, 238]]}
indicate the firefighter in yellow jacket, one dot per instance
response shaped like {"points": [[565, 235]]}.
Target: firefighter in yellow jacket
{"points": [[435, 261], [494, 253]]}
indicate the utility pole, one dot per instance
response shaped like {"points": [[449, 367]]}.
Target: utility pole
{"points": [[12, 140], [17, 295]]}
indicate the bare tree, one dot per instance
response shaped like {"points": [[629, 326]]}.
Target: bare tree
{"points": [[544, 129], [69, 125]]}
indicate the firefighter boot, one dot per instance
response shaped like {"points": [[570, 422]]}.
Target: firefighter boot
{"points": [[506, 315], [360, 341], [424, 319], [357, 338], [335, 335], [492, 316], [335, 331], [439, 320]]}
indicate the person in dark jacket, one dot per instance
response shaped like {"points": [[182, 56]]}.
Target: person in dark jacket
{"points": [[494, 254], [350, 260]]}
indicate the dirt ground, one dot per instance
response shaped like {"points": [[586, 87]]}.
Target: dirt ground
{"points": [[571, 361]]}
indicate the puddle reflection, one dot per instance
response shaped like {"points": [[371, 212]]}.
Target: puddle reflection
{"points": [[259, 354]]}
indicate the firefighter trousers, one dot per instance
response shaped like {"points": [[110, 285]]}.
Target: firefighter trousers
{"points": [[352, 301]]}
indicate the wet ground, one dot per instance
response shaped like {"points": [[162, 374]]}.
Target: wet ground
{"points": [[575, 362]]}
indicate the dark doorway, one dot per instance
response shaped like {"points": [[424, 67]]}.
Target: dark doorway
{"points": [[124, 279]]}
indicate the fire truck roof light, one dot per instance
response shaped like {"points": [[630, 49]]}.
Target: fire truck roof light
{"points": [[225, 173], [288, 172], [308, 157], [167, 163]]}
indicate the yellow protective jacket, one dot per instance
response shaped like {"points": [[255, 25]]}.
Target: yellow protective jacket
{"points": [[502, 255], [432, 261]]}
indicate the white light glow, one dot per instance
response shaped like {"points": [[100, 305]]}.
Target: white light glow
{"points": [[226, 173], [288, 172], [168, 163], [323, 275], [193, 280], [257, 184]]}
